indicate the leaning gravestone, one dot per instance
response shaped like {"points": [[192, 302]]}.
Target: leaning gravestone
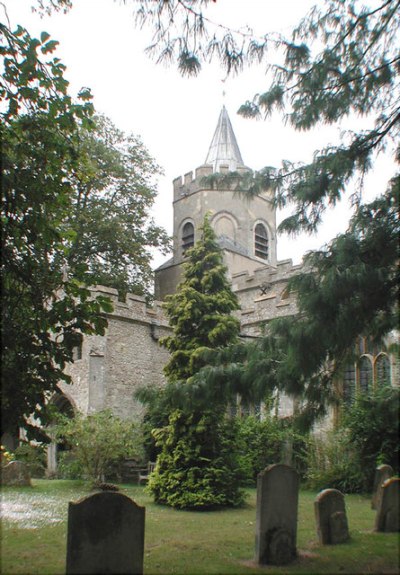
{"points": [[276, 518], [330, 515], [105, 535], [382, 473], [387, 514], [15, 473]]}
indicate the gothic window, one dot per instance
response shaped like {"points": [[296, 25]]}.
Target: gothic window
{"points": [[349, 383], [365, 373], [187, 236], [382, 370], [261, 242]]}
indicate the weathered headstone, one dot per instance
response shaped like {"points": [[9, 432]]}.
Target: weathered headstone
{"points": [[387, 514], [15, 473], [105, 535], [382, 473], [330, 515], [276, 518]]}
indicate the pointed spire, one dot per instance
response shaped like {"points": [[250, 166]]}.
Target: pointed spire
{"points": [[224, 149]]}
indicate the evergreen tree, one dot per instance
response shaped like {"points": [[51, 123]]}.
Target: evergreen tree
{"points": [[200, 312], [341, 60], [198, 462]]}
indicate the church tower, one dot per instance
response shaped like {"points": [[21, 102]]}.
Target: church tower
{"points": [[245, 226]]}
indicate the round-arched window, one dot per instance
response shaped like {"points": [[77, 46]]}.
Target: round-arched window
{"points": [[261, 241], [187, 236]]}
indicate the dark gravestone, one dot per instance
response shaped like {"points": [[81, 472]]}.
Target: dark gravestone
{"points": [[330, 515], [105, 535], [276, 518], [387, 514], [15, 473], [382, 473]]}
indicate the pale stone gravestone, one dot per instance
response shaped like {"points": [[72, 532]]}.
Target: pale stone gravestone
{"points": [[276, 518], [105, 535], [387, 514], [16, 473], [330, 515], [382, 473]]}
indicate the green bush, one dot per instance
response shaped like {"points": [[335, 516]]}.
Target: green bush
{"points": [[98, 442], [333, 463], [199, 466], [68, 466], [34, 456], [373, 428], [268, 441]]}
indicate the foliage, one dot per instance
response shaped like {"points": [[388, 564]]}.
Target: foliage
{"points": [[268, 441], [373, 424], [198, 467], [44, 313], [99, 441], [111, 230], [341, 60], [6, 456], [346, 458], [34, 456], [333, 463], [200, 311]]}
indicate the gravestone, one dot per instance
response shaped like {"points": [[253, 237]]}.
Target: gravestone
{"points": [[16, 473], [382, 473], [276, 515], [105, 535], [387, 514], [331, 519]]}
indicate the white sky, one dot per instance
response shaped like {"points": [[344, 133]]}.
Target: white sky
{"points": [[176, 117]]}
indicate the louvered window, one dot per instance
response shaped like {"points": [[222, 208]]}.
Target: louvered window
{"points": [[261, 242], [187, 236]]}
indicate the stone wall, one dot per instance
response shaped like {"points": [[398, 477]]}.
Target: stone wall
{"points": [[112, 367]]}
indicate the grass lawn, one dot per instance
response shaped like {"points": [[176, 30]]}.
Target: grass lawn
{"points": [[34, 530]]}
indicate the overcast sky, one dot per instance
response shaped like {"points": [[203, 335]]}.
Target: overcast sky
{"points": [[176, 117]]}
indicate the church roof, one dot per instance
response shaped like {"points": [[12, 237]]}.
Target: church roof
{"points": [[224, 149]]}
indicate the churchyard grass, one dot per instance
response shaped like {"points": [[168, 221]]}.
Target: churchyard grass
{"points": [[34, 529]]}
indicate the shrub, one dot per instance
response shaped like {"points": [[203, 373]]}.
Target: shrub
{"points": [[34, 456], [373, 429], [98, 442], [198, 467], [333, 463], [268, 441], [68, 466]]}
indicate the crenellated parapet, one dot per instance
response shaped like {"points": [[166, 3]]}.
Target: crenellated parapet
{"points": [[193, 182], [133, 308]]}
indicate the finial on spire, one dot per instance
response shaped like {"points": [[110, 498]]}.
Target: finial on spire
{"points": [[224, 149]]}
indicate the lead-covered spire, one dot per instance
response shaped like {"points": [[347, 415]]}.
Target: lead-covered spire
{"points": [[224, 149]]}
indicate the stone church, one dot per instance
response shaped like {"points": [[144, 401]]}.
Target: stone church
{"points": [[108, 369]]}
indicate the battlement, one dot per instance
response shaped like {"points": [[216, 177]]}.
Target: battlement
{"points": [[283, 270], [134, 308], [192, 181]]}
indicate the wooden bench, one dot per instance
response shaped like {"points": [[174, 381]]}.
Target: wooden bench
{"points": [[144, 473]]}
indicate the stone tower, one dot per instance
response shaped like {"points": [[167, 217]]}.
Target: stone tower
{"points": [[246, 227]]}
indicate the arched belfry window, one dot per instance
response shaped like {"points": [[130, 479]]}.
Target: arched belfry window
{"points": [[261, 241], [187, 236]]}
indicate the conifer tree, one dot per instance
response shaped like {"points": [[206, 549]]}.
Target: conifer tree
{"points": [[198, 464], [200, 311]]}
